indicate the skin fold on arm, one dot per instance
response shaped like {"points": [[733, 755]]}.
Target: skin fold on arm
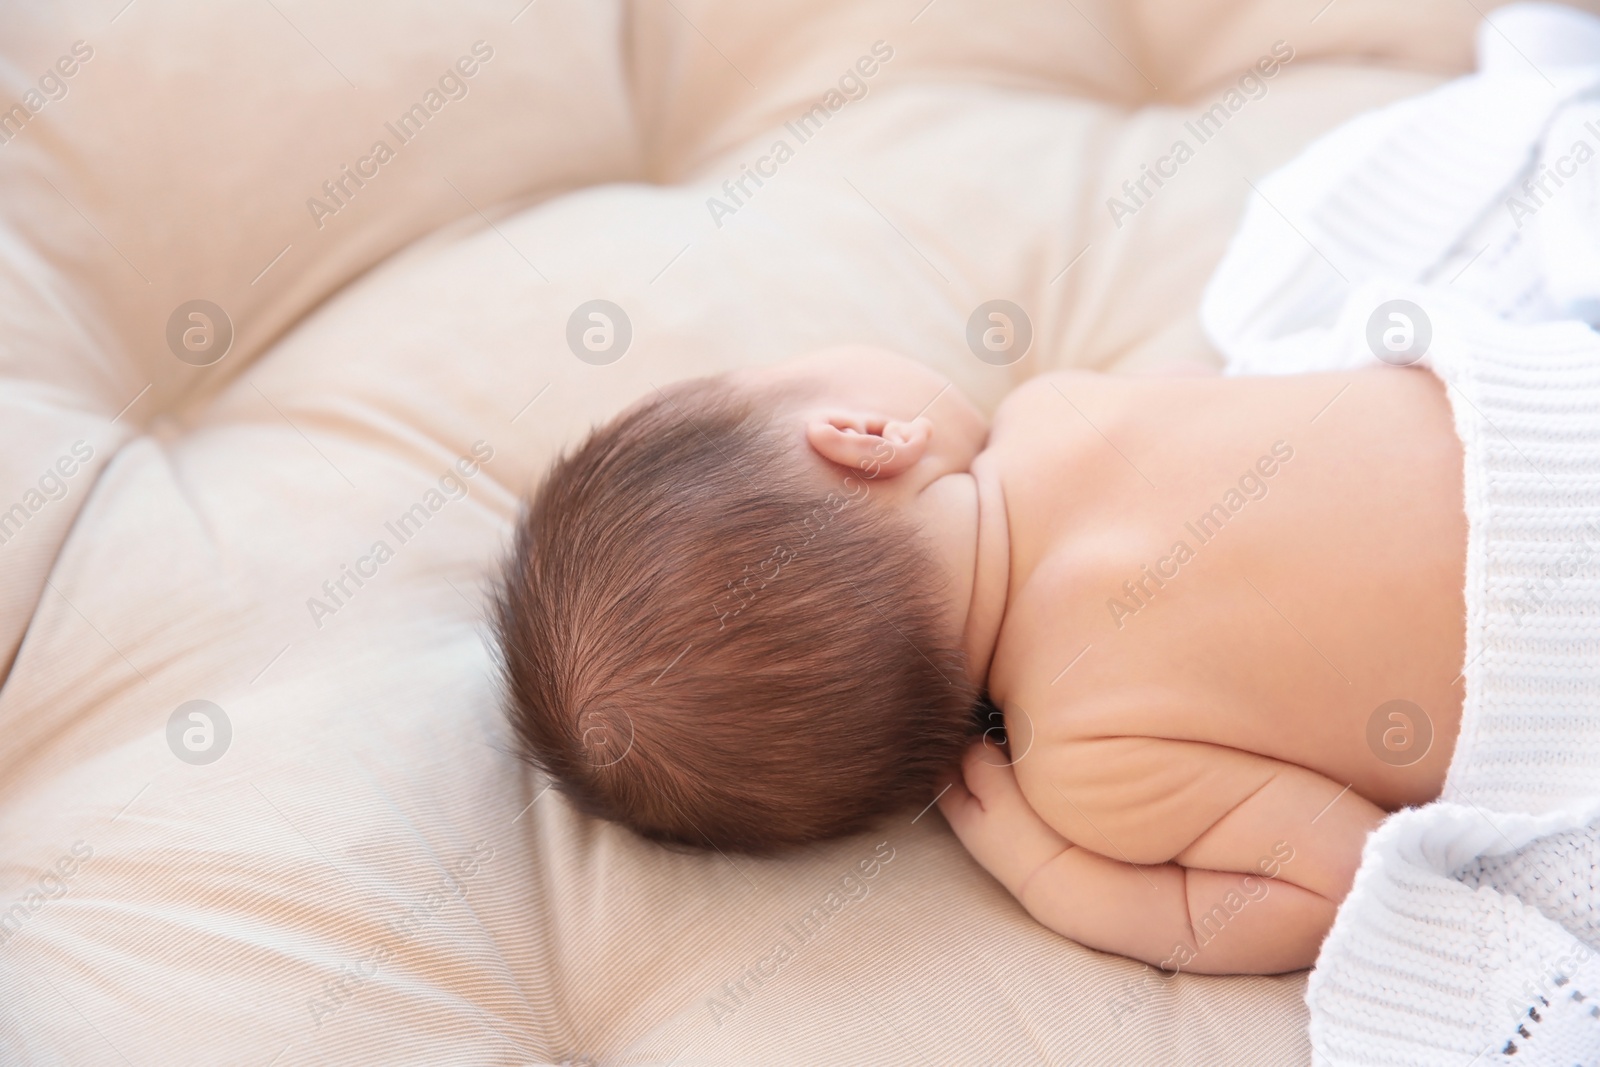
{"points": [[1245, 880]]}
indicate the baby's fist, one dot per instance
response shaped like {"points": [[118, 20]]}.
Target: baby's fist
{"points": [[994, 822]]}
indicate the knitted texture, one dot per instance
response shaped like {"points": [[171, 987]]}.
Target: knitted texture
{"points": [[1558, 874], [1527, 407], [1439, 972]]}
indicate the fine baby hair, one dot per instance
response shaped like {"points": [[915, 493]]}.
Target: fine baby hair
{"points": [[712, 636]]}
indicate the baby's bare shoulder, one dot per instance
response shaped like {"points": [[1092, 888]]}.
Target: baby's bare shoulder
{"points": [[1063, 420], [1047, 394]]}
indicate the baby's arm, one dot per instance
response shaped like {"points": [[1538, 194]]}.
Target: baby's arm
{"points": [[1185, 915]]}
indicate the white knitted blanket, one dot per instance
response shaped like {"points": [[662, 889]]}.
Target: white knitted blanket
{"points": [[1472, 933]]}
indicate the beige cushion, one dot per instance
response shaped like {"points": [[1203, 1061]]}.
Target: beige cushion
{"points": [[366, 874]]}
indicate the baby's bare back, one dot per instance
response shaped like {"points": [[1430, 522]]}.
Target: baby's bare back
{"points": [[1235, 623]]}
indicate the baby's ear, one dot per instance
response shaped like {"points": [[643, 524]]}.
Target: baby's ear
{"points": [[873, 444]]}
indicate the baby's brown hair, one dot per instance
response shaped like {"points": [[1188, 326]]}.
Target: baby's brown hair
{"points": [[707, 639]]}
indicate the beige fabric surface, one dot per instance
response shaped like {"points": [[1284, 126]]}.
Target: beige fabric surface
{"points": [[366, 874]]}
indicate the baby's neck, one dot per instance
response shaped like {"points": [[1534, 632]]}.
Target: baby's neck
{"points": [[991, 575]]}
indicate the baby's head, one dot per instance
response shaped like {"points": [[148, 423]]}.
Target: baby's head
{"points": [[734, 615]]}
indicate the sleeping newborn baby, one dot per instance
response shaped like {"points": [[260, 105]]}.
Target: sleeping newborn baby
{"points": [[770, 607]]}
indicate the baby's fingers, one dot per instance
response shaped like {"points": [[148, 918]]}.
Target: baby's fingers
{"points": [[993, 821], [988, 775], [956, 801]]}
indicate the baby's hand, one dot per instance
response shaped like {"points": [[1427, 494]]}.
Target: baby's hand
{"points": [[986, 809], [1167, 914]]}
